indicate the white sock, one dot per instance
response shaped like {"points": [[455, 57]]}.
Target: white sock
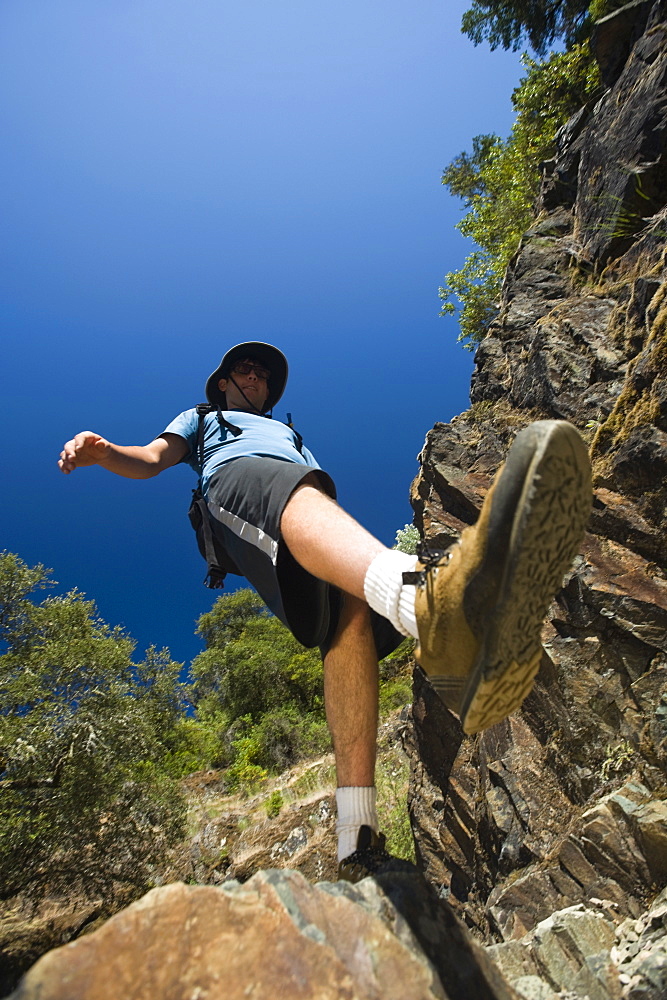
{"points": [[356, 808], [387, 594]]}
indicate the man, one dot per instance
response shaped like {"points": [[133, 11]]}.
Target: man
{"points": [[476, 610]]}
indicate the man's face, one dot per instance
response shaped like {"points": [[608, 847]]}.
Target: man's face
{"points": [[251, 376]]}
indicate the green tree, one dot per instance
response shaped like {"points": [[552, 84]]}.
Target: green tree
{"points": [[499, 180], [256, 690], [84, 802], [229, 616], [265, 668], [252, 664], [512, 24]]}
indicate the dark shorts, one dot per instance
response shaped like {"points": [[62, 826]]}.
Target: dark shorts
{"points": [[246, 498]]}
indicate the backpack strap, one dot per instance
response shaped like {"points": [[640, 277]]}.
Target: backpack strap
{"points": [[203, 409], [198, 513], [298, 440], [201, 522]]}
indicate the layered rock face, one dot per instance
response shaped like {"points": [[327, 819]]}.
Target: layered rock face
{"points": [[549, 832]]}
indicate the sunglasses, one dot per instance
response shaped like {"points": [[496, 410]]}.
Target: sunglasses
{"points": [[242, 368]]}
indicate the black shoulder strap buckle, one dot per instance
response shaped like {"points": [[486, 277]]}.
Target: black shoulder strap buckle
{"points": [[203, 409]]}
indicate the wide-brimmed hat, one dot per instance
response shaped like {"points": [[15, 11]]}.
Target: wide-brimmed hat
{"points": [[269, 356]]}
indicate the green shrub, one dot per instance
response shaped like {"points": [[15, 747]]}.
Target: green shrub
{"points": [[274, 803], [194, 746], [392, 784], [258, 692], [245, 773], [407, 539], [395, 693], [285, 737], [255, 667]]}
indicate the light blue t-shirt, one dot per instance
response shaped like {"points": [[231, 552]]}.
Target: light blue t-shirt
{"points": [[259, 437]]}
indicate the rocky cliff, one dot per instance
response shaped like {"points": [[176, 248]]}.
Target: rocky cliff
{"points": [[543, 840], [548, 833]]}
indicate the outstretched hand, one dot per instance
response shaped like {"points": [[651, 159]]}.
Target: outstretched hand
{"points": [[84, 449]]}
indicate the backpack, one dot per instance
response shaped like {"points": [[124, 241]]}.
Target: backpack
{"points": [[218, 562]]}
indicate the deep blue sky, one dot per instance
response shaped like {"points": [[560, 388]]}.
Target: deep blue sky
{"points": [[179, 176]]}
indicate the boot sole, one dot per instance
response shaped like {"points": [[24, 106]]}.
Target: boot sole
{"points": [[538, 516]]}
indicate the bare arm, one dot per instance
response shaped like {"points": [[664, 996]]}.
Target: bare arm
{"points": [[131, 461]]}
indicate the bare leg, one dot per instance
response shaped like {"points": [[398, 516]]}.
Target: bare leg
{"points": [[351, 695], [331, 545], [326, 540]]}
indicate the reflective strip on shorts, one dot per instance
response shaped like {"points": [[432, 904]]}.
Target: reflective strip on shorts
{"points": [[247, 532]]}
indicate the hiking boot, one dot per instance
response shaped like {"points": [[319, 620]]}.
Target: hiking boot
{"points": [[369, 857], [481, 605]]}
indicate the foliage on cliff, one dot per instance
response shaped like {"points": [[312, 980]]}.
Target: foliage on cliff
{"points": [[499, 180]]}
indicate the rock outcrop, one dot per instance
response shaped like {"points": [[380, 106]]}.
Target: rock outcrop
{"points": [[276, 936], [548, 833]]}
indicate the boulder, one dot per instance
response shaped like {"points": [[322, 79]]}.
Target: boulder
{"points": [[569, 952], [275, 936]]}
